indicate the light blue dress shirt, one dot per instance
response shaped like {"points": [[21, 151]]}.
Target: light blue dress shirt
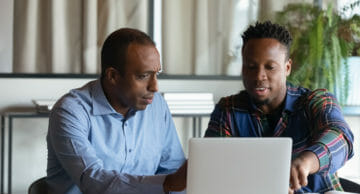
{"points": [[94, 149]]}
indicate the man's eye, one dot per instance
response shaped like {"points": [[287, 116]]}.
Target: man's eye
{"points": [[270, 66], [143, 76]]}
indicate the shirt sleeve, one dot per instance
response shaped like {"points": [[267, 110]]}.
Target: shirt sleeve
{"points": [[220, 121], [69, 130], [332, 139]]}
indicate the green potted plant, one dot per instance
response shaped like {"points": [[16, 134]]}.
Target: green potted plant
{"points": [[322, 41]]}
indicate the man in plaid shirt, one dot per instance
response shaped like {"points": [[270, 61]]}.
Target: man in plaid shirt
{"points": [[271, 107]]}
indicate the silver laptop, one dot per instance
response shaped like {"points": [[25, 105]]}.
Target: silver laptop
{"points": [[239, 165]]}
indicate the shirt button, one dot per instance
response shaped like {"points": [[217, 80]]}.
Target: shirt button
{"points": [[125, 124], [130, 150]]}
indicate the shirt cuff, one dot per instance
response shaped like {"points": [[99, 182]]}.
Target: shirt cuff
{"points": [[322, 153]]}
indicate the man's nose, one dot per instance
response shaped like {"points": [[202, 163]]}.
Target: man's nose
{"points": [[260, 74], [153, 84]]}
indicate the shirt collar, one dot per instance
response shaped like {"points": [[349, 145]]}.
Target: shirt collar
{"points": [[100, 104], [292, 95]]}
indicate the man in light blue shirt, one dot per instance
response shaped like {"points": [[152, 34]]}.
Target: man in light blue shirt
{"points": [[116, 134]]}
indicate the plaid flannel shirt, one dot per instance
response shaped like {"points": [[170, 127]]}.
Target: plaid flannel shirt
{"points": [[313, 119]]}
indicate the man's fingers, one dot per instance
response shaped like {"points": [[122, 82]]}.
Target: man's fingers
{"points": [[303, 165], [294, 180], [298, 177], [177, 180], [303, 174], [177, 187], [290, 191]]}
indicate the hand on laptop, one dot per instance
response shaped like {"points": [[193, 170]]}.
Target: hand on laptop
{"points": [[177, 180], [303, 165]]}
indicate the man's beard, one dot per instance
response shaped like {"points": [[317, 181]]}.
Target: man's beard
{"points": [[261, 102]]}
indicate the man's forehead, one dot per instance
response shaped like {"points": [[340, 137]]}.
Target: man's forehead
{"points": [[263, 43]]}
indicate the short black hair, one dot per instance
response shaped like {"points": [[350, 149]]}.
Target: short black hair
{"points": [[268, 29], [114, 50]]}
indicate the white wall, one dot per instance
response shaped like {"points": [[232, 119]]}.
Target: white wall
{"points": [[6, 35]]}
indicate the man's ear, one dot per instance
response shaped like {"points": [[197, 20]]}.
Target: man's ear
{"points": [[288, 67], [111, 75]]}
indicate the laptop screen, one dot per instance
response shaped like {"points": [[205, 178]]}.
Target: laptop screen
{"points": [[239, 165]]}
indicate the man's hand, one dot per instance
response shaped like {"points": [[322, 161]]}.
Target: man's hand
{"points": [[177, 180], [306, 163]]}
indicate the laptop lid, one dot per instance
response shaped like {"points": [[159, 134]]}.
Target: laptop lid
{"points": [[238, 165]]}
